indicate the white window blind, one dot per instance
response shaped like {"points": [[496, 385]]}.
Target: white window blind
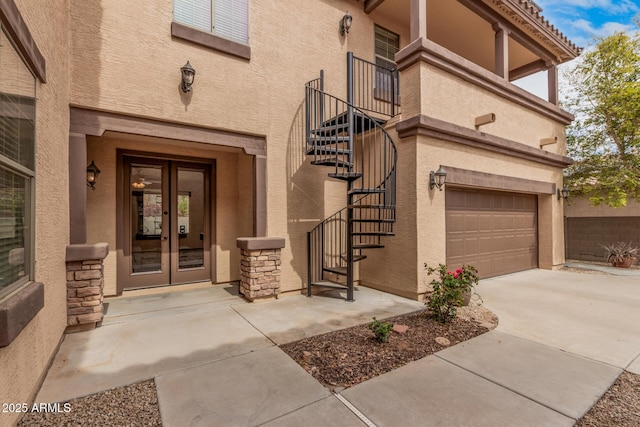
{"points": [[387, 44], [224, 18]]}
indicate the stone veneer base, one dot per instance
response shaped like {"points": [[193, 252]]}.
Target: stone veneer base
{"points": [[260, 267], [85, 286]]}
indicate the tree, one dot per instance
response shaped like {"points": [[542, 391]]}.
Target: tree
{"points": [[604, 139]]}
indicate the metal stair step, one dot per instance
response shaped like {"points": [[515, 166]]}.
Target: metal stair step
{"points": [[323, 150], [341, 271], [347, 176], [373, 220], [371, 207], [361, 122], [327, 139], [367, 191], [367, 246], [373, 233], [329, 284], [332, 162], [331, 130]]}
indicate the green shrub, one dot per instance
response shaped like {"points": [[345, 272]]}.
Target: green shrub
{"points": [[381, 329], [449, 289]]}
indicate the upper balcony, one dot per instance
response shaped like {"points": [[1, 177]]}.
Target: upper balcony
{"points": [[463, 60]]}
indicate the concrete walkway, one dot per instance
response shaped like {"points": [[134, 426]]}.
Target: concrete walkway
{"points": [[563, 339]]}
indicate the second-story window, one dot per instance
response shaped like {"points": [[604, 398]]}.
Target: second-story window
{"points": [[224, 18], [387, 44]]}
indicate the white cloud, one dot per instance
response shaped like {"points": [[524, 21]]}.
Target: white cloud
{"points": [[606, 29]]}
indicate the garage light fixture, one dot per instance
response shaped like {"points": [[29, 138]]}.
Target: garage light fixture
{"points": [[437, 178], [345, 24], [563, 194]]}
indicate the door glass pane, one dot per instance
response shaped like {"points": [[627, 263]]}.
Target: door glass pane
{"points": [[191, 216], [146, 218]]}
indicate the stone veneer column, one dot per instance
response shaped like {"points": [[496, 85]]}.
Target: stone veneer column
{"points": [[85, 286], [260, 267]]}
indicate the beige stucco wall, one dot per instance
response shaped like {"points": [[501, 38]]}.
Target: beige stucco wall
{"points": [[581, 207], [136, 70], [23, 362], [233, 192], [440, 92]]}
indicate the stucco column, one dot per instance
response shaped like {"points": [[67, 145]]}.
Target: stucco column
{"points": [[502, 51], [552, 79], [418, 17], [260, 196], [77, 188]]}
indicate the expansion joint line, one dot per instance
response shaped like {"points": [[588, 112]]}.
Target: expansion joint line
{"points": [[355, 410]]}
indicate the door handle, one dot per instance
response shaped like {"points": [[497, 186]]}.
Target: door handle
{"points": [[165, 237]]}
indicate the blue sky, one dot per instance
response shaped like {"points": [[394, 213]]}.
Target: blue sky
{"points": [[582, 20]]}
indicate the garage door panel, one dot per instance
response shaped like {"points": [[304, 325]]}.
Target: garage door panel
{"points": [[471, 222], [500, 231], [484, 224], [456, 223]]}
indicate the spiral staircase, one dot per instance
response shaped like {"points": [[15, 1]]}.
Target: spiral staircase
{"points": [[349, 137]]}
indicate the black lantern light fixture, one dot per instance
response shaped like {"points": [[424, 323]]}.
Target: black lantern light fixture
{"points": [[188, 75], [563, 194], [345, 24], [92, 175], [437, 178]]}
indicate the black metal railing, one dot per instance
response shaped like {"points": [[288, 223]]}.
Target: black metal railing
{"points": [[374, 87], [341, 135]]}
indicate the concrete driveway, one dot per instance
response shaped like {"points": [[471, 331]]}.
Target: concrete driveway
{"points": [[592, 315], [562, 340]]}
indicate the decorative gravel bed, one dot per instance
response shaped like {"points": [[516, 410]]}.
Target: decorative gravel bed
{"points": [[618, 407], [132, 405], [350, 356]]}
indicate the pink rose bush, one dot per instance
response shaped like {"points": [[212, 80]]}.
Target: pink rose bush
{"points": [[448, 290]]}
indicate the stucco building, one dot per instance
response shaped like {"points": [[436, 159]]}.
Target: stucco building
{"points": [[264, 144]]}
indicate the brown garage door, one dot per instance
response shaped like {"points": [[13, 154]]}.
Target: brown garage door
{"points": [[496, 232]]}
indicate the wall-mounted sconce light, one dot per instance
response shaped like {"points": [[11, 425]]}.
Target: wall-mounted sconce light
{"points": [[92, 175], [437, 178], [485, 120], [563, 194], [188, 75], [548, 141], [345, 24]]}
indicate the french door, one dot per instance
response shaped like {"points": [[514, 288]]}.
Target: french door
{"points": [[167, 222]]}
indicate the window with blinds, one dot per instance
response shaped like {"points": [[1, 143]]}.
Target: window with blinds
{"points": [[17, 165], [224, 18], [387, 44]]}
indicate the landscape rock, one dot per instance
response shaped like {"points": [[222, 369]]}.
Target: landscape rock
{"points": [[400, 329], [443, 341]]}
